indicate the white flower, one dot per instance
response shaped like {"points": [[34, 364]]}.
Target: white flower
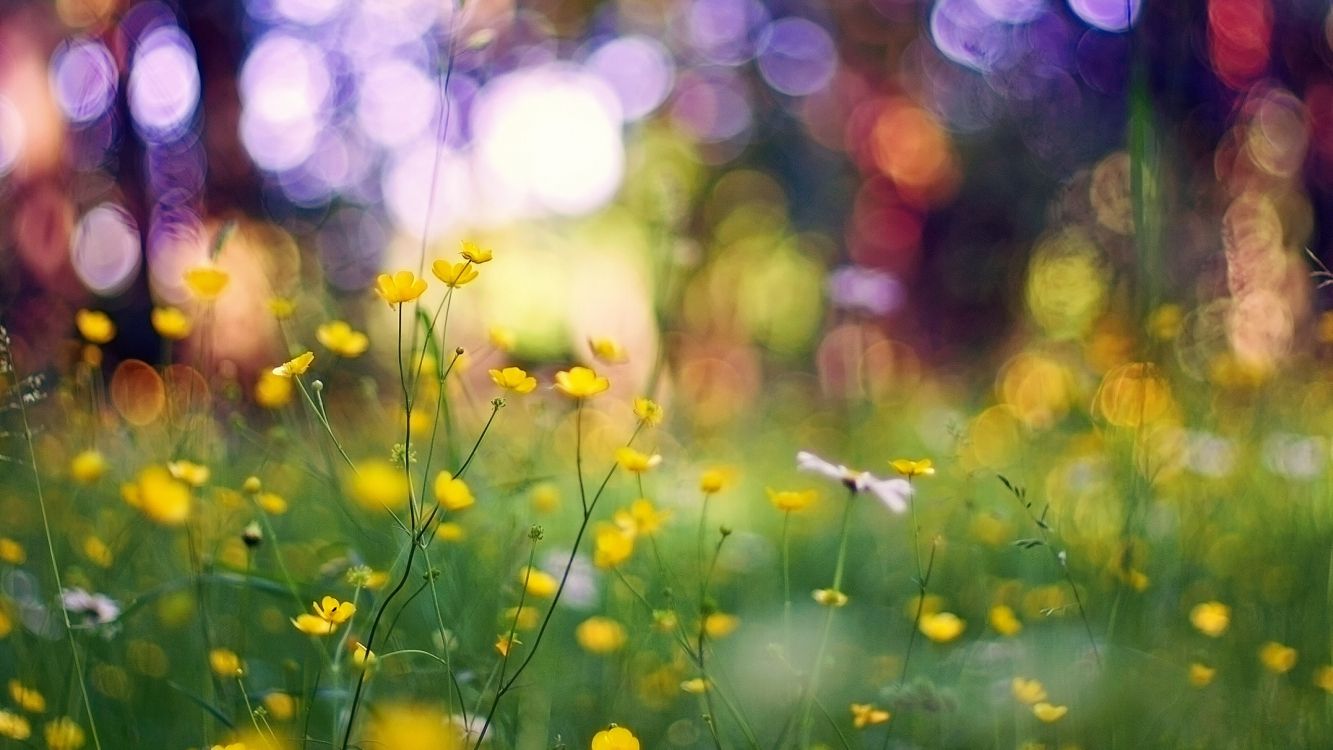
{"points": [[894, 493]]}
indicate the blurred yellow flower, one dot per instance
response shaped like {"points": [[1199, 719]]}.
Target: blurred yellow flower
{"points": [[615, 738], [608, 350], [378, 484], [193, 474], [866, 714], [12, 552], [1028, 691], [1211, 618], [206, 282], [580, 382], [1277, 658], [95, 326], [538, 583], [340, 338], [1004, 621], [648, 411], [224, 662], [830, 598], [612, 545], [362, 656], [403, 286], [280, 706], [476, 253], [88, 466], [909, 468], [312, 625], [721, 624], [1323, 678], [27, 698], [14, 727], [788, 501], [635, 462], [514, 379], [273, 391], [272, 503], [63, 734], [715, 480], [453, 274], [523, 618], [502, 338], [170, 323], [452, 493], [696, 686], [412, 727], [942, 627], [1201, 674], [158, 495], [450, 532], [282, 308], [641, 518], [295, 366], [1049, 713], [600, 635]]}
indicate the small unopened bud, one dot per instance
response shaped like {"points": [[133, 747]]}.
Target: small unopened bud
{"points": [[252, 485], [318, 386], [459, 351], [535, 533], [725, 531], [252, 535]]}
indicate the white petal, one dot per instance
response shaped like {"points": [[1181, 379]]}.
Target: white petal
{"points": [[806, 461], [894, 493]]}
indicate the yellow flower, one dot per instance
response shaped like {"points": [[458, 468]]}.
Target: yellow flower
{"points": [[696, 686], [273, 391], [942, 627], [378, 484], [641, 518], [830, 598], [295, 366], [910, 468], [88, 466], [1211, 618], [281, 307], [1049, 713], [272, 503], [362, 656], [193, 474], [280, 706], [635, 462], [12, 552], [170, 323], [27, 698], [580, 382], [252, 485], [158, 495], [14, 727], [502, 338], [476, 253], [538, 583], [1028, 691], [866, 714], [453, 274], [452, 493], [450, 532], [1277, 658], [648, 411], [615, 738], [224, 662], [506, 643], [336, 612], [514, 379], [63, 734], [1323, 678], [721, 624], [608, 350], [206, 282], [600, 635], [714, 480], [791, 500], [341, 339], [229, 746], [412, 727], [612, 545], [403, 286], [1201, 674], [1004, 621], [95, 326]]}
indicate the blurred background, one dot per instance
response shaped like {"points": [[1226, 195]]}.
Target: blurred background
{"points": [[781, 178]]}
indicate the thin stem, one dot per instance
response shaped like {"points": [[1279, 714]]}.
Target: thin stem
{"points": [[812, 686]]}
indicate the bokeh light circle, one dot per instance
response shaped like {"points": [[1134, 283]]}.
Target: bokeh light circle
{"points": [[83, 79], [285, 85], [105, 250], [1107, 15], [164, 84], [797, 56], [638, 69]]}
